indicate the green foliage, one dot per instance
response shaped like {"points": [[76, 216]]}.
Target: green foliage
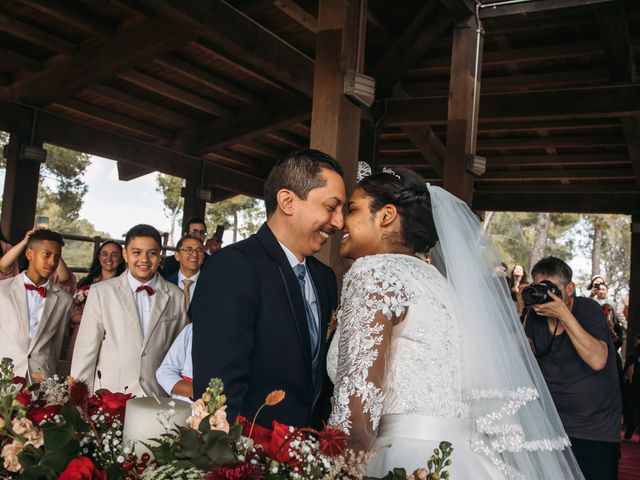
{"points": [[241, 213], [514, 234]]}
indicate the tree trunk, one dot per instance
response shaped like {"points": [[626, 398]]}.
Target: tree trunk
{"points": [[487, 221], [596, 249], [172, 227], [235, 226], [540, 240]]}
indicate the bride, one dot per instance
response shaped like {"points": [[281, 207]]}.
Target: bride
{"points": [[425, 354]]}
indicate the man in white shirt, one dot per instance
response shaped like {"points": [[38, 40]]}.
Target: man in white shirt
{"points": [[129, 322], [35, 312], [176, 372]]}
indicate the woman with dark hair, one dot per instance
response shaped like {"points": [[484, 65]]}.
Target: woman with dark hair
{"points": [[517, 281], [425, 353], [107, 263]]}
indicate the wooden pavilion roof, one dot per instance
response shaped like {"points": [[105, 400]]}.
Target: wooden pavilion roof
{"points": [[161, 85]]}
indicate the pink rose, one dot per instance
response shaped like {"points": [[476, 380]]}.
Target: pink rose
{"points": [[218, 420], [198, 412], [10, 454]]}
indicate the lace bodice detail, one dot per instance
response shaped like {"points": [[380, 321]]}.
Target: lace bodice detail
{"points": [[419, 370]]}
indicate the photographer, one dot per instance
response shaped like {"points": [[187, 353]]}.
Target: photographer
{"points": [[571, 341]]}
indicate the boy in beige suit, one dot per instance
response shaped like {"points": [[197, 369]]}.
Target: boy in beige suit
{"points": [[129, 322], [34, 311]]}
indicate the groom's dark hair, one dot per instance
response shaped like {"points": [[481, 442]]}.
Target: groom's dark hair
{"points": [[299, 172]]}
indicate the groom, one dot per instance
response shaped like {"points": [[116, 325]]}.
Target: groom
{"points": [[262, 306]]}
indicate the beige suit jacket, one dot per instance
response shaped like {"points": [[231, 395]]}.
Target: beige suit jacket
{"points": [[43, 352], [110, 343]]}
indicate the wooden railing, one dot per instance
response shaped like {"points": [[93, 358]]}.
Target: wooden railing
{"points": [[98, 240]]}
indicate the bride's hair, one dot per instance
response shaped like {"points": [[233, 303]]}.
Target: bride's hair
{"points": [[406, 190]]}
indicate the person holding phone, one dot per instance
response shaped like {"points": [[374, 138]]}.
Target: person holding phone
{"points": [[9, 266]]}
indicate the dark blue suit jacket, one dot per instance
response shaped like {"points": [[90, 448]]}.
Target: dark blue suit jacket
{"points": [[250, 330]]}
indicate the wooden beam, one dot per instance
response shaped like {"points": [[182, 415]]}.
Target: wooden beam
{"points": [[20, 191], [174, 93], [537, 6], [550, 125], [425, 28], [566, 160], [238, 35], [35, 35], [618, 47], [298, 13], [95, 63], [193, 206], [114, 119], [130, 171], [143, 107], [248, 124], [594, 102], [59, 130], [335, 120], [66, 13], [631, 127], [208, 80], [550, 142], [624, 203], [548, 187], [497, 58], [563, 174], [462, 108]]}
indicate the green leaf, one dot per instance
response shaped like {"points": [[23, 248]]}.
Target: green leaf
{"points": [[222, 451], [59, 458], [38, 472], [56, 437], [235, 432], [30, 455]]}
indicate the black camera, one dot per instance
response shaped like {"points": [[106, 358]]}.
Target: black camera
{"points": [[538, 293]]}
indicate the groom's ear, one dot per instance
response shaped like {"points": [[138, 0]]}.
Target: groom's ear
{"points": [[387, 215], [286, 199]]}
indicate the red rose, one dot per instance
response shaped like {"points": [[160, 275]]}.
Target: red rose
{"points": [[38, 414], [82, 469], [19, 381], [114, 403], [24, 397], [281, 439], [260, 435]]}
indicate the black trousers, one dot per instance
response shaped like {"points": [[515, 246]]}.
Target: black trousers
{"points": [[597, 460]]}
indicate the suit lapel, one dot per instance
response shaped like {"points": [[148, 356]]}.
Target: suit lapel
{"points": [[129, 305], [19, 297], [49, 305], [159, 304]]}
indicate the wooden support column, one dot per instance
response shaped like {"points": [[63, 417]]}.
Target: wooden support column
{"points": [[193, 206], [462, 117], [20, 192], [633, 327], [335, 120]]}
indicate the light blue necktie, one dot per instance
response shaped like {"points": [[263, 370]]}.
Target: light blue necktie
{"points": [[314, 334]]}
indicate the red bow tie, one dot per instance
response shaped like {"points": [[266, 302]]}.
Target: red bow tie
{"points": [[150, 291], [42, 291]]}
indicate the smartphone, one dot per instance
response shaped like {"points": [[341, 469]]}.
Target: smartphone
{"points": [[42, 221]]}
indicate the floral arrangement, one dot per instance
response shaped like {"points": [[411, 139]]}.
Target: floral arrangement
{"points": [[81, 294], [56, 429]]}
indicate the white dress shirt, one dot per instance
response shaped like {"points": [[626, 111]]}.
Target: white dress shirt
{"points": [[192, 287], [309, 288], [35, 304], [177, 362], [143, 300]]}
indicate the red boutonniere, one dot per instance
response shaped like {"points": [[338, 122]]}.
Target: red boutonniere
{"points": [[333, 324]]}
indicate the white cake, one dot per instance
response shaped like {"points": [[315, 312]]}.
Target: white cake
{"points": [[147, 418]]}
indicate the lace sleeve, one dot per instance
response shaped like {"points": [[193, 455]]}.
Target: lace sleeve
{"points": [[372, 301]]}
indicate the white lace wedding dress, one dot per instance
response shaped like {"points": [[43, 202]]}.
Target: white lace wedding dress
{"points": [[398, 384]]}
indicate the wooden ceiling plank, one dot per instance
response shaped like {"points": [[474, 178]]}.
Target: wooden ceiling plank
{"points": [[129, 171], [550, 142], [177, 94], [537, 6], [280, 113], [66, 13], [631, 127], [238, 35], [115, 119], [299, 14], [556, 174], [609, 202], [594, 102], [21, 62], [209, 80], [260, 149], [417, 38], [521, 55], [551, 125], [96, 63], [35, 35], [143, 106], [550, 187]]}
